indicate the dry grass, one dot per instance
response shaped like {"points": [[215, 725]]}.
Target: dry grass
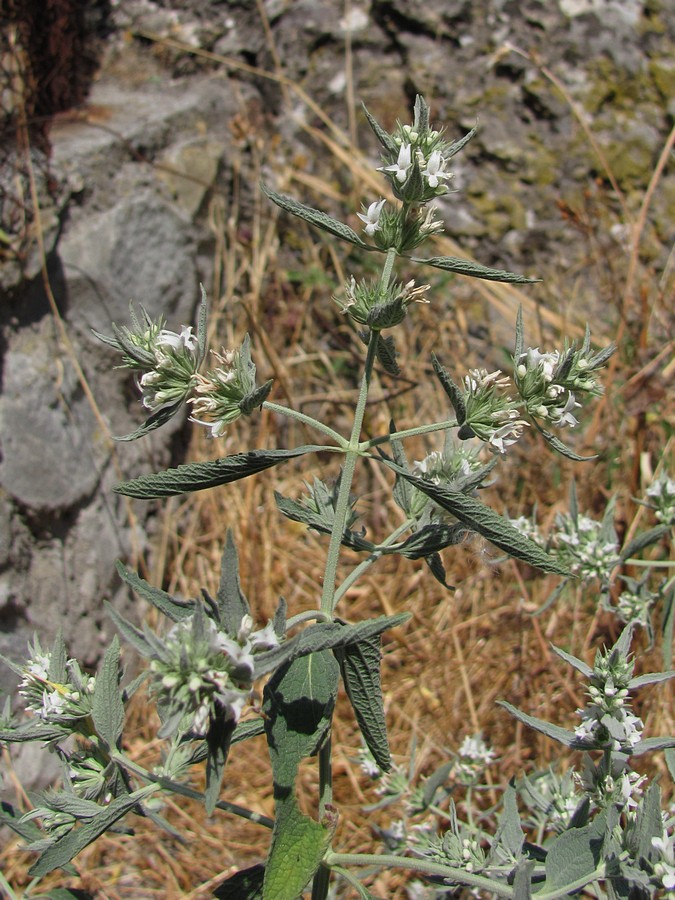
{"points": [[461, 651]]}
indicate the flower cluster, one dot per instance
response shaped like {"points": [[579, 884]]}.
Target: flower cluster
{"points": [[378, 306], [611, 783], [528, 528], [661, 498], [56, 692], [164, 362], [664, 866], [606, 722], [416, 157], [227, 391], [176, 359], [635, 602], [552, 799], [545, 397], [458, 847], [473, 758], [489, 413], [588, 548], [549, 381], [199, 672]]}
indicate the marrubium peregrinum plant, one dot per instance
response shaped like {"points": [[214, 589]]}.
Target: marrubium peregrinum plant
{"points": [[205, 661]]}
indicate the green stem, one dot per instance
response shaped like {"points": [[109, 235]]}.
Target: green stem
{"points": [[309, 615], [388, 268], [363, 566], [167, 784], [425, 866], [310, 421], [342, 502], [6, 887], [408, 432]]}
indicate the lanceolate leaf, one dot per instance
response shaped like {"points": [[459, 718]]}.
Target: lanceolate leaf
{"points": [[176, 610], [383, 136], [320, 521], [218, 742], [298, 846], [473, 269], [298, 706], [108, 708], [133, 635], [360, 667], [428, 540], [316, 217], [199, 476], [156, 420], [60, 853], [643, 540], [232, 604], [562, 735], [559, 446], [34, 730], [323, 636], [455, 395], [483, 520]]}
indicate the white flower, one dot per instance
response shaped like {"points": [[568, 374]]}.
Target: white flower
{"points": [[186, 340], [431, 224], [562, 415], [400, 168], [506, 435], [265, 639], [434, 170], [53, 704], [372, 217]]}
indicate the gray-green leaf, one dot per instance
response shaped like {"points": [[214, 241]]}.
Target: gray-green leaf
{"points": [[108, 707], [176, 610], [199, 476], [473, 269], [360, 667], [232, 604], [483, 520], [316, 217]]}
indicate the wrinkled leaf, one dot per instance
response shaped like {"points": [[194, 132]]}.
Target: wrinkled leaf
{"points": [[232, 604], [473, 269], [315, 217], [323, 636], [299, 700], [199, 476], [387, 355], [67, 847], [574, 855], [107, 707], [556, 444], [176, 610], [643, 540], [298, 846], [156, 420], [360, 667], [455, 395], [562, 735], [218, 741], [383, 136], [427, 540], [483, 520]]}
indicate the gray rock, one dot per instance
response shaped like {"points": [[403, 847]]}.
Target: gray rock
{"points": [[51, 445]]}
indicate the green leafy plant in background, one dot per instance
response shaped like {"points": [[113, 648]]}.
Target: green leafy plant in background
{"points": [[602, 830]]}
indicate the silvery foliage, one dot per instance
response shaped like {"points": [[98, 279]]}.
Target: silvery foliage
{"points": [[603, 825]]}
